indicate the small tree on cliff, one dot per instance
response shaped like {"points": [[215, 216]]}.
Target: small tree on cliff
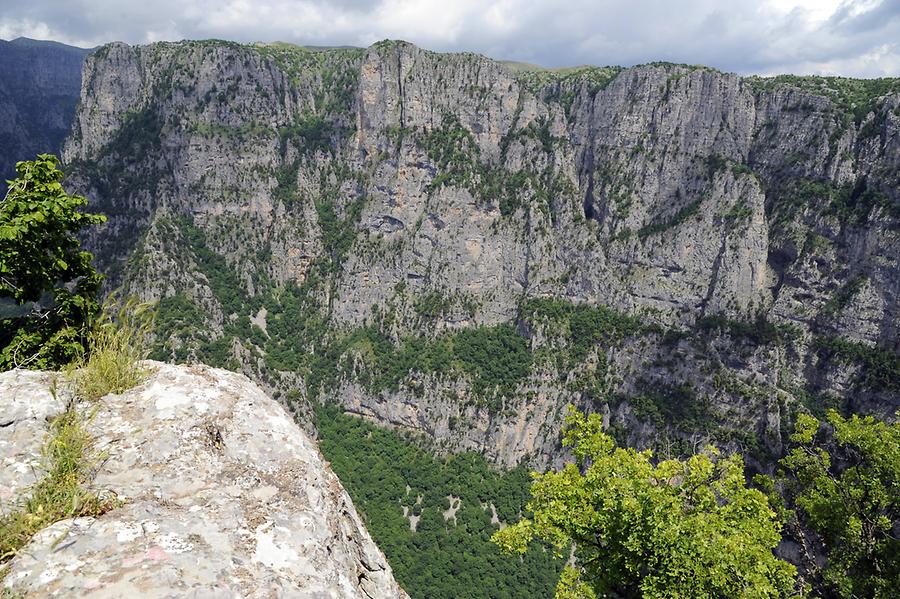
{"points": [[675, 529], [48, 286], [844, 484]]}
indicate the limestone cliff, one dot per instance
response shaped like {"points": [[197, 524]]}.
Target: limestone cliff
{"points": [[38, 95], [333, 222], [221, 496]]}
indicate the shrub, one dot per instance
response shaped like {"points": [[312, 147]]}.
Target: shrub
{"points": [[843, 485], [582, 325], [843, 296], [47, 283], [757, 332], [672, 528], [879, 367]]}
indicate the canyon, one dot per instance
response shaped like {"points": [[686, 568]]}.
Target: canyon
{"points": [[693, 253]]}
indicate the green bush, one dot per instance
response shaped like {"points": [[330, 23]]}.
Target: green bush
{"points": [[455, 153], [853, 98], [845, 486], [879, 367], [661, 225], [647, 528], [851, 203], [844, 295], [583, 326], [678, 405], [496, 359], [222, 279], [757, 332], [310, 133], [43, 270], [433, 304]]}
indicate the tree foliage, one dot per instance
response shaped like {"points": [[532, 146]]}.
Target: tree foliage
{"points": [[672, 529], [845, 485], [390, 476], [48, 286]]}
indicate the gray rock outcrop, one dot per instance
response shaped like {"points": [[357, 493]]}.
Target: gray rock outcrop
{"points": [[418, 193], [221, 496]]}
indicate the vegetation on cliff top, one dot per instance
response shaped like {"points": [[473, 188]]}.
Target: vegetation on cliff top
{"points": [[853, 97], [41, 262], [68, 461]]}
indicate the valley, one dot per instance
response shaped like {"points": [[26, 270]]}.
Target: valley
{"points": [[445, 245]]}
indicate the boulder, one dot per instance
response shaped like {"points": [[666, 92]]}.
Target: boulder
{"points": [[220, 495]]}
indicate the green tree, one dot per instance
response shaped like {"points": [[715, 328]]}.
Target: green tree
{"points": [[845, 485], [48, 286], [388, 474], [672, 529]]}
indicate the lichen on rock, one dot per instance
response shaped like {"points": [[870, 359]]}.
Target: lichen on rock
{"points": [[221, 495]]}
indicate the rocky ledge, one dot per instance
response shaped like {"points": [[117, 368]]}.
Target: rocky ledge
{"points": [[222, 495]]}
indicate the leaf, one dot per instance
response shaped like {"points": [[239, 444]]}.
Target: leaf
{"points": [[40, 254], [680, 528]]}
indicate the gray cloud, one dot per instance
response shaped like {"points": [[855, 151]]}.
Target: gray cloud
{"points": [[846, 37]]}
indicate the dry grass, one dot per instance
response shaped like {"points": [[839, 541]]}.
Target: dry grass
{"points": [[113, 364], [117, 346], [70, 463]]}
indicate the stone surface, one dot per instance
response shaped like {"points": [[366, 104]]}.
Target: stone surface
{"points": [[222, 496], [28, 403]]}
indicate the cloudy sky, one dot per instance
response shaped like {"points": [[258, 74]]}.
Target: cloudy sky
{"points": [[844, 37]]}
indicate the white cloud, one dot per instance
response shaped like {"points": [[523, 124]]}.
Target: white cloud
{"points": [[851, 37], [815, 11], [13, 28]]}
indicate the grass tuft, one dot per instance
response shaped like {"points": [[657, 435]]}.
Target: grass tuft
{"points": [[117, 346], [70, 463], [112, 365]]}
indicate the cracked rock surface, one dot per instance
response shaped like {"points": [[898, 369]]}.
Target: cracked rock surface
{"points": [[222, 496]]}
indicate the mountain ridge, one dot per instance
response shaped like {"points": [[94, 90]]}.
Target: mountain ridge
{"points": [[40, 89], [393, 193]]}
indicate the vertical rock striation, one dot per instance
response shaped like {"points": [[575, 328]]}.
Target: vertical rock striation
{"points": [[363, 200], [39, 90]]}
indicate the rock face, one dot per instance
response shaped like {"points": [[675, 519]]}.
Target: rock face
{"points": [[40, 88], [222, 496], [350, 199]]}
